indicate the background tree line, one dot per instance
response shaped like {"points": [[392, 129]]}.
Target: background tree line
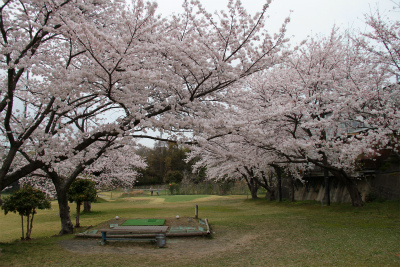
{"points": [[166, 164]]}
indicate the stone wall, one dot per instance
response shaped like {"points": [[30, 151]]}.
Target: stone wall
{"points": [[385, 186], [381, 182]]}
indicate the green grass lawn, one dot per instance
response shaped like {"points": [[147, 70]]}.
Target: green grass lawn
{"points": [[181, 198], [245, 233]]}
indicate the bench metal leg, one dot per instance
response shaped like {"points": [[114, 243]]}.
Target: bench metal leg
{"points": [[103, 238], [160, 239]]}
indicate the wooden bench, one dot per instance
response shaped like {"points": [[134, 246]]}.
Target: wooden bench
{"points": [[135, 233]]}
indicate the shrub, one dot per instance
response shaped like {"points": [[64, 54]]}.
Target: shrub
{"points": [[174, 188], [25, 201], [174, 177], [81, 190]]}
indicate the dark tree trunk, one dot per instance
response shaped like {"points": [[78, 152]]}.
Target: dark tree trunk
{"points": [[87, 206], [268, 186], [291, 185], [27, 235], [278, 171], [22, 224], [280, 188], [272, 196], [327, 188], [265, 184], [62, 185], [66, 225], [352, 188], [355, 195], [29, 226], [251, 183], [78, 212], [253, 188], [327, 197]]}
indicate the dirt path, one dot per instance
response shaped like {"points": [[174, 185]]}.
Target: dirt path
{"points": [[176, 247]]}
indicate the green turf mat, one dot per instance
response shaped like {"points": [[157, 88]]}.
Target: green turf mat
{"points": [[143, 222]]}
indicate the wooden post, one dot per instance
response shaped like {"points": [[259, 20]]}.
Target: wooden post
{"points": [[196, 211]]}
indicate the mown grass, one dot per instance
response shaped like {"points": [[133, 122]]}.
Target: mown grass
{"points": [[182, 198], [252, 233]]}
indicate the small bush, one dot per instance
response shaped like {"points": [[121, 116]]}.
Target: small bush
{"points": [[25, 201], [374, 197], [173, 188], [81, 190]]}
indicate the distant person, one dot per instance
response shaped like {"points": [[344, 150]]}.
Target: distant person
{"points": [[151, 190], [158, 193]]}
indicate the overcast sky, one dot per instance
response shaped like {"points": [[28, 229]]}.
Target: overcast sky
{"points": [[309, 17]]}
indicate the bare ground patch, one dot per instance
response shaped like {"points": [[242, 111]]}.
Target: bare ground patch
{"points": [[220, 241]]}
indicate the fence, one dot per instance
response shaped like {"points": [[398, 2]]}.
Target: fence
{"points": [[205, 188], [213, 189]]}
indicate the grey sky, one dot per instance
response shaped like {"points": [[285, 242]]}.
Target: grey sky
{"points": [[309, 17]]}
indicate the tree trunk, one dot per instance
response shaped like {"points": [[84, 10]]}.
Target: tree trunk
{"points": [[253, 188], [30, 230], [29, 226], [87, 206], [327, 188], [272, 196], [78, 212], [352, 188], [22, 223], [268, 186], [66, 225], [278, 171], [27, 236], [355, 195], [291, 184], [327, 196], [252, 184]]}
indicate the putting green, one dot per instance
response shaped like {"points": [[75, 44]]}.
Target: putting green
{"points": [[143, 222]]}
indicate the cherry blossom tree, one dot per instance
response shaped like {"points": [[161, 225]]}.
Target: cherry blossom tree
{"points": [[56, 107], [117, 167], [73, 64], [385, 33], [108, 164], [40, 100], [324, 93], [329, 103], [226, 158], [228, 154], [234, 156], [117, 69]]}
